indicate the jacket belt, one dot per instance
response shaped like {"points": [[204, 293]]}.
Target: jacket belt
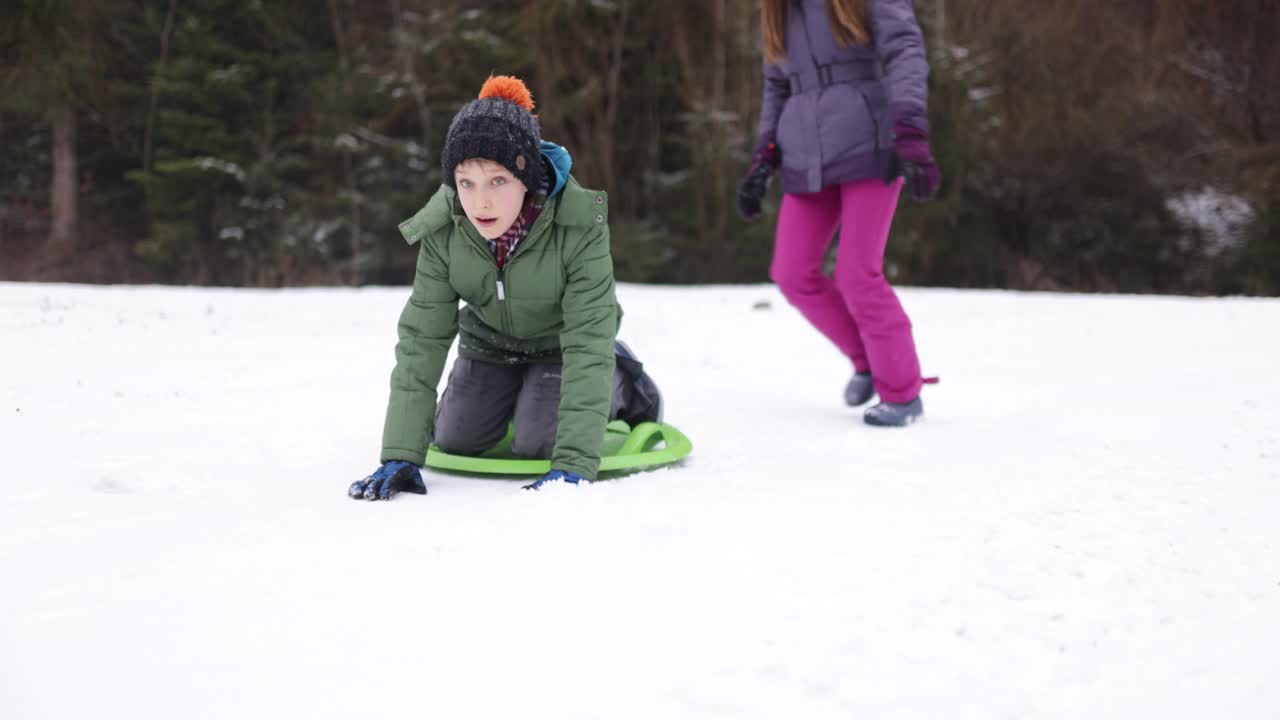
{"points": [[807, 78]]}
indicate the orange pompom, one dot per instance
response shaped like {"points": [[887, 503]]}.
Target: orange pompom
{"points": [[508, 88]]}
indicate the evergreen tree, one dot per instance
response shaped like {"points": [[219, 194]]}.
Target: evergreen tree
{"points": [[46, 59]]}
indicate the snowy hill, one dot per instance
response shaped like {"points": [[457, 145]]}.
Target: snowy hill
{"points": [[1087, 525]]}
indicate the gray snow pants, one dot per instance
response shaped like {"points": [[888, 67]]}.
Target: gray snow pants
{"points": [[481, 398]]}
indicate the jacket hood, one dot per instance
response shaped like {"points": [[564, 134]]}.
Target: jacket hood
{"points": [[560, 162]]}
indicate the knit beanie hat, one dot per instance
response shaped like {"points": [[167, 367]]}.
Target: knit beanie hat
{"points": [[498, 126]]}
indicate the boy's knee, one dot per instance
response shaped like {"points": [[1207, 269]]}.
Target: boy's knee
{"points": [[461, 443], [537, 412], [534, 442]]}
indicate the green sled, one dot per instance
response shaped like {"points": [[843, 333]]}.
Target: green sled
{"points": [[625, 449]]}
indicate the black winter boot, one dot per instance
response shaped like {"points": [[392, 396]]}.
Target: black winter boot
{"points": [[646, 401]]}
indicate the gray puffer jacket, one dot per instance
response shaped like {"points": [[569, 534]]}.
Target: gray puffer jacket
{"points": [[831, 109]]}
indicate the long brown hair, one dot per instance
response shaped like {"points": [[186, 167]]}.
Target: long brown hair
{"points": [[848, 20]]}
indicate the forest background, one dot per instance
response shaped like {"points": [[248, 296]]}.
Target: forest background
{"points": [[1086, 146]]}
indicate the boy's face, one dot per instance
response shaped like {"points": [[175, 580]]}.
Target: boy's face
{"points": [[490, 195]]}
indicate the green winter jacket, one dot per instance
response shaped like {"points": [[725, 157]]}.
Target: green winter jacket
{"points": [[552, 302]]}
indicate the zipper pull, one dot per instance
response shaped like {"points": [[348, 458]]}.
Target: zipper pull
{"points": [[502, 290]]}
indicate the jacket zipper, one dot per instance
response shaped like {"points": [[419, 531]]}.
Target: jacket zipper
{"points": [[804, 23], [875, 123], [502, 282], [507, 322], [817, 130], [481, 247]]}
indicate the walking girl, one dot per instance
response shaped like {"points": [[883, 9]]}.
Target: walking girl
{"points": [[844, 121]]}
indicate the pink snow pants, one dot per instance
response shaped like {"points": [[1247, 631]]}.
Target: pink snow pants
{"points": [[856, 310]]}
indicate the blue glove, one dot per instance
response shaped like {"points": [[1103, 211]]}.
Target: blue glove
{"points": [[394, 476], [556, 476]]}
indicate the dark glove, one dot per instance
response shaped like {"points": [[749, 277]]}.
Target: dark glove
{"points": [[755, 184], [556, 476], [911, 160], [394, 476]]}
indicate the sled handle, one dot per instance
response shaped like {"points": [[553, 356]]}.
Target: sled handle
{"points": [[638, 450]]}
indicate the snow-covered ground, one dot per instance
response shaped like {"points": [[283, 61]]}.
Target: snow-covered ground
{"points": [[1087, 525]]}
